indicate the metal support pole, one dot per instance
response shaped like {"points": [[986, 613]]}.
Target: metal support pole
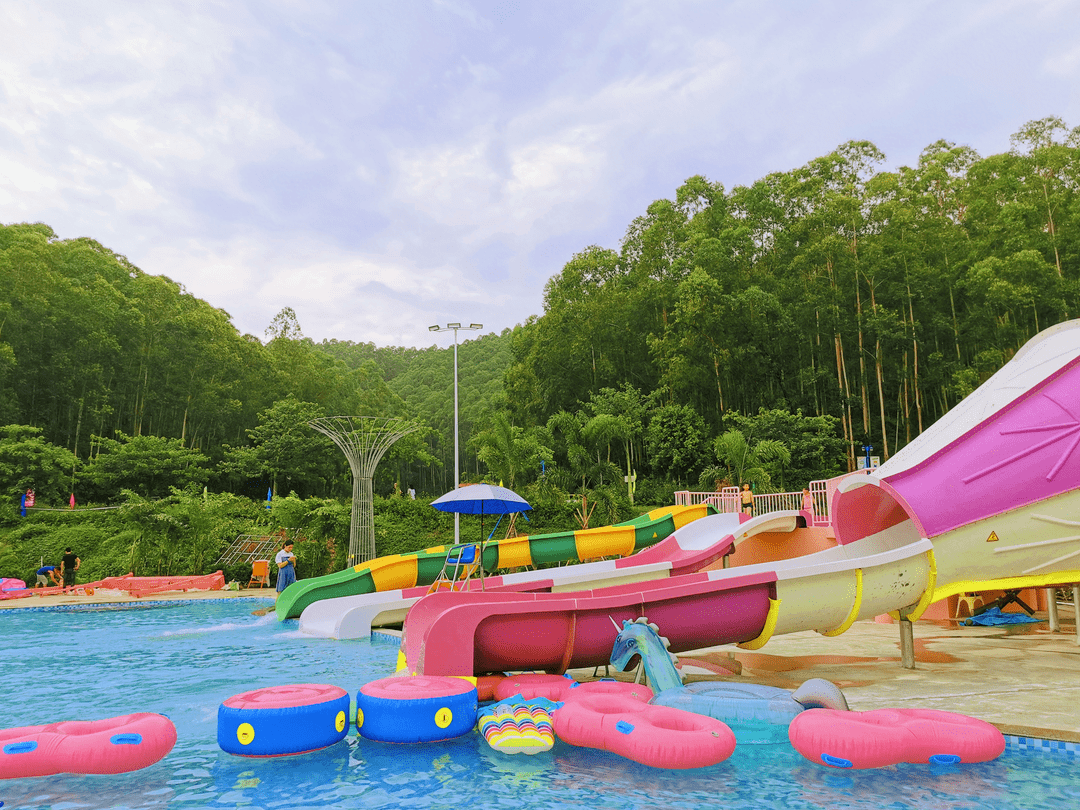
{"points": [[907, 640], [457, 465], [1076, 611], [1051, 610]]}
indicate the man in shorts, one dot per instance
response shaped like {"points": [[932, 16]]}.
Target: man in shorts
{"points": [[69, 564], [47, 572]]}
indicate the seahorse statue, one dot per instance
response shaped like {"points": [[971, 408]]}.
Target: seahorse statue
{"points": [[756, 713]]}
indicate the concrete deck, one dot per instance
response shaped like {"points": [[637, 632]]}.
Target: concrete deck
{"points": [[1022, 678]]}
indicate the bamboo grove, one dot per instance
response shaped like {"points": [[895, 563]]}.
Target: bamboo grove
{"points": [[879, 297]]}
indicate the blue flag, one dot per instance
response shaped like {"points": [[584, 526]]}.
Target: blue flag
{"points": [[269, 495], [22, 506]]}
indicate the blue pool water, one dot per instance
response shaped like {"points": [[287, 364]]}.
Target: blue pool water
{"points": [[184, 660]]}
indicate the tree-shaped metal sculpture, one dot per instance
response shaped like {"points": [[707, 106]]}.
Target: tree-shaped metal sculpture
{"points": [[363, 440]]}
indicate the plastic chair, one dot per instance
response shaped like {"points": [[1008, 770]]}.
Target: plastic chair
{"points": [[260, 574]]}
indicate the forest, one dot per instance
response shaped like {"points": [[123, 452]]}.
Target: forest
{"points": [[763, 333]]}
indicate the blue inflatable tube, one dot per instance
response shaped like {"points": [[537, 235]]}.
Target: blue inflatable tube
{"points": [[283, 720], [416, 709]]}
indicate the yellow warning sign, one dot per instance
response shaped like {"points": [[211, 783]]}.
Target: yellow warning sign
{"points": [[993, 538]]}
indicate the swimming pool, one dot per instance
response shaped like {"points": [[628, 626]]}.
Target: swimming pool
{"points": [[183, 660]]}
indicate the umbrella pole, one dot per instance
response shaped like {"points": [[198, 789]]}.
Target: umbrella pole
{"points": [[482, 588]]}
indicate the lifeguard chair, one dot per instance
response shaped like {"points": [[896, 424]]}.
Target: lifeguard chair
{"points": [[260, 573], [462, 562]]}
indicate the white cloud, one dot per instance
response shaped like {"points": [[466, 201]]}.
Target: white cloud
{"points": [[379, 168]]}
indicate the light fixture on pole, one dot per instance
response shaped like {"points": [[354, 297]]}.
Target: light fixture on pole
{"points": [[455, 327]]}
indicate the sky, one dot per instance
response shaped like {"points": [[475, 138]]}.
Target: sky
{"points": [[381, 167]]}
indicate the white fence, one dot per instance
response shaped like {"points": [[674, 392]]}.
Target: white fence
{"points": [[728, 499]]}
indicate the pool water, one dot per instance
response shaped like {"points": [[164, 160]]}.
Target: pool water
{"points": [[184, 660]]}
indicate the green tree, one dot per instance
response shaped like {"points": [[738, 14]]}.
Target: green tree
{"points": [[675, 438], [150, 466], [284, 450], [27, 461]]}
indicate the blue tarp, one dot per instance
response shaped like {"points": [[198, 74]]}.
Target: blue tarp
{"points": [[994, 616]]}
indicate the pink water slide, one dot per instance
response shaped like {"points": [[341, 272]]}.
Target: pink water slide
{"points": [[989, 497], [463, 634]]}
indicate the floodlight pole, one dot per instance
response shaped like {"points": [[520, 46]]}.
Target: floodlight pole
{"points": [[454, 327]]}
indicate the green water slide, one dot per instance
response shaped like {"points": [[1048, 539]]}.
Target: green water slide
{"points": [[422, 568]]}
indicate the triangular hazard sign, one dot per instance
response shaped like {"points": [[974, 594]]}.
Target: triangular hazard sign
{"points": [[993, 538]]}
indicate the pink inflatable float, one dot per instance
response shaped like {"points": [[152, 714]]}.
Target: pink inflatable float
{"points": [[652, 735], [116, 745], [890, 736], [560, 687]]}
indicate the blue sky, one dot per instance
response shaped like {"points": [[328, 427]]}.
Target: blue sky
{"points": [[384, 166]]}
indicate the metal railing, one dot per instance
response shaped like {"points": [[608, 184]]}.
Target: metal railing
{"points": [[728, 499]]}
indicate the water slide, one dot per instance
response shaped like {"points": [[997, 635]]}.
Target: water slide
{"points": [[400, 572], [694, 545], [988, 498]]}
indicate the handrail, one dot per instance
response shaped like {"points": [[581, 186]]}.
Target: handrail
{"points": [[728, 499]]}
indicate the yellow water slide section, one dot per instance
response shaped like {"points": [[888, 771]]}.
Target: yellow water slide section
{"points": [[605, 541], [1006, 584], [767, 631], [681, 514], [514, 552], [853, 614], [393, 571]]}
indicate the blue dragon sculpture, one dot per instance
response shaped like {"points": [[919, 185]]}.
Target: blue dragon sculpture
{"points": [[756, 713]]}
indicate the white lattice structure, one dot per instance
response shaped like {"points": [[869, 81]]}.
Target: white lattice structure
{"points": [[364, 440]]}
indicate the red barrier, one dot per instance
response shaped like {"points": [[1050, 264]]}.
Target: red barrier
{"points": [[133, 585]]}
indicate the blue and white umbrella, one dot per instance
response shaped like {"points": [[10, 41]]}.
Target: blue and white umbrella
{"points": [[481, 499]]}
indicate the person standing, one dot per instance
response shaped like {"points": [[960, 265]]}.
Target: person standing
{"points": [[69, 564], [807, 501], [746, 499], [286, 564]]}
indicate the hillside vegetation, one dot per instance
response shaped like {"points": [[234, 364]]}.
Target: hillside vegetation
{"points": [[764, 333]]}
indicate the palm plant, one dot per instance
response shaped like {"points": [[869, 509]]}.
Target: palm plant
{"points": [[741, 462]]}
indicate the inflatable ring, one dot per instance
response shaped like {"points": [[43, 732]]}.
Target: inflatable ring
{"points": [[533, 685], [486, 686], [283, 720], [608, 686], [416, 709], [652, 735], [116, 745], [883, 737]]}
